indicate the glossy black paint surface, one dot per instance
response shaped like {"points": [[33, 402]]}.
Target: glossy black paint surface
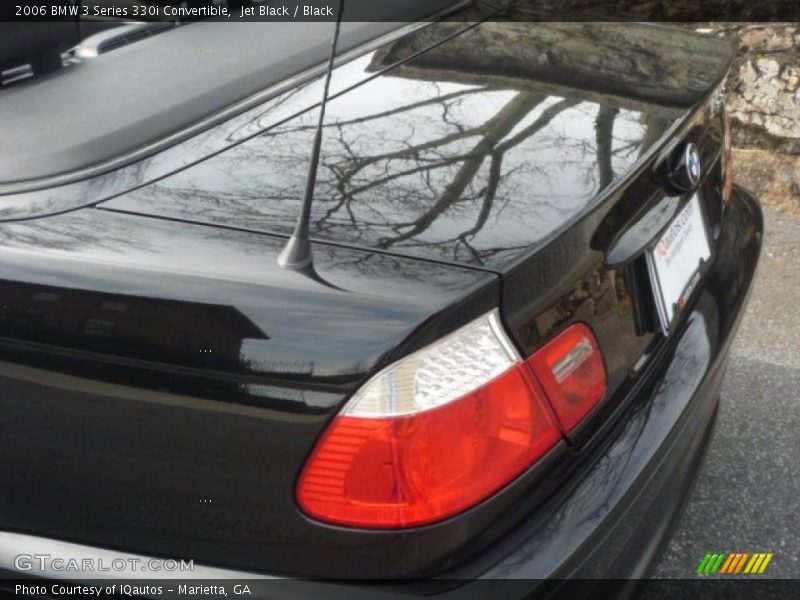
{"points": [[154, 356], [214, 299], [458, 154], [500, 164], [148, 365]]}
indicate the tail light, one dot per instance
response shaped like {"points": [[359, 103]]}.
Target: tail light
{"points": [[434, 433], [571, 371]]}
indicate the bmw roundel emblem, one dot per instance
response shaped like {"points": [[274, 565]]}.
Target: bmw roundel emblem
{"points": [[691, 164], [684, 169]]}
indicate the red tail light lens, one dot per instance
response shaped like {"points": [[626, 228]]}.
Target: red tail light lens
{"points": [[431, 435], [571, 371]]}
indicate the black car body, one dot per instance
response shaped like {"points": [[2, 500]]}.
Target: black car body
{"points": [[164, 380]]}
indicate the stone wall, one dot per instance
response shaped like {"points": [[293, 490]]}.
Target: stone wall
{"points": [[764, 97], [764, 105]]}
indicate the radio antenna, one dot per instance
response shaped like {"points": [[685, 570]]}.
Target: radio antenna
{"points": [[297, 252]]}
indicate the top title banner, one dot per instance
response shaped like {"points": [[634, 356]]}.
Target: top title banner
{"points": [[400, 10]]}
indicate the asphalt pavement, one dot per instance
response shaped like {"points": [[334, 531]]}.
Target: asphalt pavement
{"points": [[747, 496]]}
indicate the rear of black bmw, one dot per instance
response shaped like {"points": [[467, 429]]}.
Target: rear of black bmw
{"points": [[503, 362]]}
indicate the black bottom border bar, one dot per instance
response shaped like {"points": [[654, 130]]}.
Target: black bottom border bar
{"points": [[653, 589]]}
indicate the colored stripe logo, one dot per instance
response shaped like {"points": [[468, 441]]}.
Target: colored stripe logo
{"points": [[732, 563]]}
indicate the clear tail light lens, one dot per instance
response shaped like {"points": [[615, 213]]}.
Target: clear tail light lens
{"points": [[431, 435], [571, 371]]}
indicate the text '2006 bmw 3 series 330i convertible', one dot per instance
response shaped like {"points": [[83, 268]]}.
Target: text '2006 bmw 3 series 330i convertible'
{"points": [[431, 301]]}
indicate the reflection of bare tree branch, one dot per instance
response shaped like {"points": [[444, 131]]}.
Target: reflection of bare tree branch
{"points": [[404, 173], [415, 151], [541, 121], [69, 233], [495, 130], [443, 99], [436, 166], [495, 170], [654, 125], [604, 130]]}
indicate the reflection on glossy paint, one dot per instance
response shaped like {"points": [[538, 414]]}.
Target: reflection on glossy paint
{"points": [[211, 300], [429, 159]]}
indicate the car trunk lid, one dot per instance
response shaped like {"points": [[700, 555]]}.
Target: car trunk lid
{"points": [[468, 152]]}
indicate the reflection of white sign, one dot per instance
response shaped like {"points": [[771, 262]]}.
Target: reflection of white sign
{"points": [[675, 260]]}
